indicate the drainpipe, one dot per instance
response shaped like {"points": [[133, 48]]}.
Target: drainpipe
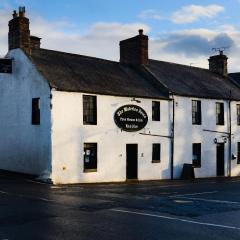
{"points": [[230, 137], [172, 138]]}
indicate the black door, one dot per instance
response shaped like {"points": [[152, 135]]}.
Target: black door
{"points": [[132, 161], [220, 159]]}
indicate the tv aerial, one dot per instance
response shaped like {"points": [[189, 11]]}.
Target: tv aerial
{"points": [[220, 49]]}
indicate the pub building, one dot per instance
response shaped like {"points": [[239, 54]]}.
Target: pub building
{"points": [[70, 118]]}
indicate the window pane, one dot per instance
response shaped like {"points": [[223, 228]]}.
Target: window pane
{"points": [[36, 111], [238, 114], [196, 112], [219, 113], [155, 111], [90, 156], [89, 109], [238, 153], [196, 154], [156, 152]]}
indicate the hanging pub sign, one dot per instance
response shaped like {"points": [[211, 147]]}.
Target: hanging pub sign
{"points": [[130, 118]]}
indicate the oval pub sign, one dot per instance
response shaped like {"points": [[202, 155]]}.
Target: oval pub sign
{"points": [[130, 118]]}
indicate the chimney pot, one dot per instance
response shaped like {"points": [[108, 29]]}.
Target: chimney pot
{"points": [[15, 14], [21, 11], [140, 31]]}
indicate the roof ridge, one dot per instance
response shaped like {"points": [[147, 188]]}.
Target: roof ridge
{"points": [[179, 64], [78, 55]]}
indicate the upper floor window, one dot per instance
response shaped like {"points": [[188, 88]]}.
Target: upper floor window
{"points": [[89, 109], [36, 111], [196, 154], [156, 152], [196, 112], [219, 113], [155, 111], [238, 114]]}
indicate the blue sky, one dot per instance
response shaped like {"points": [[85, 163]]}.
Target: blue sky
{"points": [[182, 31]]}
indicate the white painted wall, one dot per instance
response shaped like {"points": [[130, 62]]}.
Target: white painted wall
{"points": [[24, 147], [235, 168], [69, 135], [186, 134]]}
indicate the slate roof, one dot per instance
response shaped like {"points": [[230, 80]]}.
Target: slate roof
{"points": [[77, 73], [235, 77], [193, 82]]}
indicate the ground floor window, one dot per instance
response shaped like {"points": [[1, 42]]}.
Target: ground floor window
{"points": [[90, 157], [196, 155], [238, 153], [156, 152]]}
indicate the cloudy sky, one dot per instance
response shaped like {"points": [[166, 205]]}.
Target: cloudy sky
{"points": [[182, 31]]}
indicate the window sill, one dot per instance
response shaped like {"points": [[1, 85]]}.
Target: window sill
{"points": [[89, 170], [156, 161], [196, 166], [91, 124]]}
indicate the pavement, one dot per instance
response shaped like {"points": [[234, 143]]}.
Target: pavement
{"points": [[199, 209]]}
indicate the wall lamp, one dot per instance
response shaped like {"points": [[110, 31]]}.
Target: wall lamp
{"points": [[135, 100]]}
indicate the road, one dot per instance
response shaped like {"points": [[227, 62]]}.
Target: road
{"points": [[199, 209]]}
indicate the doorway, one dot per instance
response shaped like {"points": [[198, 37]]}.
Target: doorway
{"points": [[220, 159], [132, 161]]}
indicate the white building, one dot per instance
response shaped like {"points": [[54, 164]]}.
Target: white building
{"points": [[72, 118]]}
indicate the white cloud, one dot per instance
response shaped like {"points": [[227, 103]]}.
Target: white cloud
{"points": [[102, 40], [192, 13], [150, 14]]}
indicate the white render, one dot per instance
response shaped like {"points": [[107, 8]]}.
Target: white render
{"points": [[235, 168], [24, 147], [186, 133], [69, 135]]}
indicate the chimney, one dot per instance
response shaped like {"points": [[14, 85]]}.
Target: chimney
{"points": [[35, 42], [19, 33], [218, 64], [135, 50]]}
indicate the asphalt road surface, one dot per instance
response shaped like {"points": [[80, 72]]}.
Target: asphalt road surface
{"points": [[200, 209]]}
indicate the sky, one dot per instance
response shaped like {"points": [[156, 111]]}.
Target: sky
{"points": [[180, 31]]}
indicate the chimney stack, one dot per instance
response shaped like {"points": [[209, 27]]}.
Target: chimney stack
{"points": [[134, 50], [218, 64], [35, 42], [19, 33]]}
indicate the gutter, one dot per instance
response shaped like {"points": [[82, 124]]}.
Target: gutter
{"points": [[230, 137], [172, 138]]}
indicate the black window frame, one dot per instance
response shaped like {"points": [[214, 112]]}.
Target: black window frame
{"points": [[238, 153], [156, 111], [36, 112], [196, 112], [156, 152], [89, 110], [219, 113], [238, 114], [197, 151], [90, 160]]}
